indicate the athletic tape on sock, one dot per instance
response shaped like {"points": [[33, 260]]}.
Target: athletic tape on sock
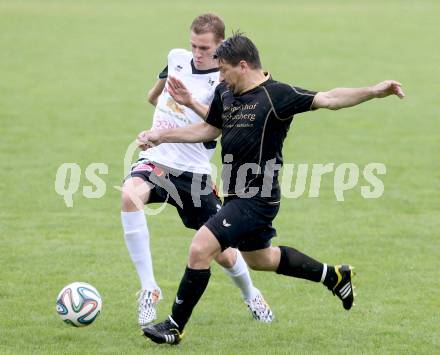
{"points": [[324, 272]]}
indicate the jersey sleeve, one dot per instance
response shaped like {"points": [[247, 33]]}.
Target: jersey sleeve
{"points": [[291, 100], [164, 73], [215, 111], [172, 54]]}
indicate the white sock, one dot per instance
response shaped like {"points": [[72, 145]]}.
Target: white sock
{"points": [[239, 273], [324, 272], [137, 239]]}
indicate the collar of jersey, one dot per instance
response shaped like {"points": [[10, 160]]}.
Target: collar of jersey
{"points": [[267, 76], [198, 71]]}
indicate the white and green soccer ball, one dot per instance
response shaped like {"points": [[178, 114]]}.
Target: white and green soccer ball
{"points": [[79, 304]]}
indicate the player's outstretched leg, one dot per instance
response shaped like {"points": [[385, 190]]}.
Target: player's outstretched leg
{"points": [[336, 278], [239, 274]]}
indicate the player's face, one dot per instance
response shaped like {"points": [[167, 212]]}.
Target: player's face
{"points": [[203, 47], [232, 75]]}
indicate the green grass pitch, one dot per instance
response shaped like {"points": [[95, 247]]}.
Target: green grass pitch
{"points": [[73, 83]]}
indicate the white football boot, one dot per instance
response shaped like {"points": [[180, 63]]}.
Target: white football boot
{"points": [[147, 303], [259, 308]]}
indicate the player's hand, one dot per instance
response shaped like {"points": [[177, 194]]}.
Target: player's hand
{"points": [[178, 91], [148, 139], [388, 87]]}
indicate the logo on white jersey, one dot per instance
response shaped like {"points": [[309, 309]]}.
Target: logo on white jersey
{"points": [[178, 68]]}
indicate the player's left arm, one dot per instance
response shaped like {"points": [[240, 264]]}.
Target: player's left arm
{"points": [[338, 98]]}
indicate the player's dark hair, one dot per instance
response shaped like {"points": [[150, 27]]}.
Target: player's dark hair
{"points": [[207, 23], [236, 48]]}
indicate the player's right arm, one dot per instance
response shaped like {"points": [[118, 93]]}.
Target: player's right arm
{"points": [[155, 91], [194, 133]]}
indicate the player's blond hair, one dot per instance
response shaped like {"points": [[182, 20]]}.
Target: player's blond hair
{"points": [[209, 23]]}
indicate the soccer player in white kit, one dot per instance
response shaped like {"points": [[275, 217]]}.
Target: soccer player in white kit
{"points": [[179, 174]]}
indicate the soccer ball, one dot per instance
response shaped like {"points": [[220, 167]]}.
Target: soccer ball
{"points": [[79, 304]]}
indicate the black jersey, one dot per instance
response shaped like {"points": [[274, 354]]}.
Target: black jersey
{"points": [[254, 125]]}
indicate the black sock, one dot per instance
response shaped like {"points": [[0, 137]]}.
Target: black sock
{"points": [[296, 264], [191, 288]]}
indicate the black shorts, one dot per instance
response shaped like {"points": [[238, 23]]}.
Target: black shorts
{"points": [[244, 223], [192, 194]]}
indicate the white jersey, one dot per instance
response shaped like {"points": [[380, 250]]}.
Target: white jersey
{"points": [[192, 157]]}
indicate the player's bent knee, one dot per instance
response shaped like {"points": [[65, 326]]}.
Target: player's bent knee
{"points": [[135, 193], [130, 202], [126, 202], [204, 247], [199, 252], [198, 256]]}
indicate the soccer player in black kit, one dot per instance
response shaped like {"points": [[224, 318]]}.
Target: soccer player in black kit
{"points": [[252, 113]]}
